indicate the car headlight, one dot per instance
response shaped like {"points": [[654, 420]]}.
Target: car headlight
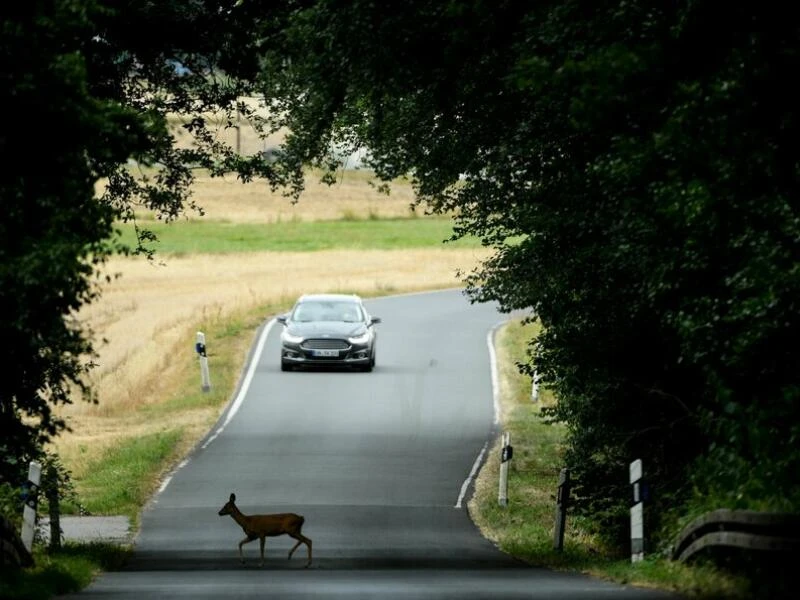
{"points": [[361, 338], [291, 338]]}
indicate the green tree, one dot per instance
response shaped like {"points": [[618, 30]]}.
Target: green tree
{"points": [[53, 230], [635, 167], [633, 164], [102, 80]]}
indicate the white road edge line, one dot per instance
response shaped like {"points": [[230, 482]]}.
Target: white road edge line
{"points": [[248, 378], [169, 477], [237, 403], [496, 407], [468, 480]]}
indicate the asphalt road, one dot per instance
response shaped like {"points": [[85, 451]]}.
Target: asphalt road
{"points": [[378, 463]]}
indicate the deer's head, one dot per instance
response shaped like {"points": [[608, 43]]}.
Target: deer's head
{"points": [[229, 506]]}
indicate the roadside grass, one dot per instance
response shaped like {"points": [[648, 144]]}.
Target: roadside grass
{"points": [[65, 571], [212, 237], [122, 480], [525, 527]]}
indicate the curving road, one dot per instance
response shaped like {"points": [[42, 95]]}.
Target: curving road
{"points": [[378, 463]]}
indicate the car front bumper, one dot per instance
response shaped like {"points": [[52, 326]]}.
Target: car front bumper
{"points": [[297, 354]]}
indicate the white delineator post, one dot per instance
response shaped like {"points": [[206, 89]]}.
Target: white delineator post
{"points": [[505, 456], [29, 512], [535, 387], [200, 346], [637, 512]]}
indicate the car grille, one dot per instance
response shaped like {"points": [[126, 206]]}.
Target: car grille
{"points": [[324, 344]]}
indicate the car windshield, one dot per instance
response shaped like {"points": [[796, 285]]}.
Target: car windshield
{"points": [[318, 310]]}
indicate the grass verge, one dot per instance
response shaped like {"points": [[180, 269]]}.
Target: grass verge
{"points": [[216, 237], [525, 527], [123, 479], [65, 571]]}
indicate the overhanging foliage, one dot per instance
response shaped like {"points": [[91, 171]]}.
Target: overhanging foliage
{"points": [[634, 165], [643, 158]]}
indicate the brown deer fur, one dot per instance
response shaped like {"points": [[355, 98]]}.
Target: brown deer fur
{"points": [[264, 526]]}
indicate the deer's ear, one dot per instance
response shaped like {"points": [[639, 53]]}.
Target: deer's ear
{"points": [[233, 497]]}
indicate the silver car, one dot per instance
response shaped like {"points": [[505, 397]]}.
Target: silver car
{"points": [[328, 329]]}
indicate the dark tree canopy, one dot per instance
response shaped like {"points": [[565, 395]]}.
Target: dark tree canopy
{"points": [[52, 230], [634, 165], [101, 78]]}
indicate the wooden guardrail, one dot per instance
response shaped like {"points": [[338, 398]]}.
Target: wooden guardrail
{"points": [[743, 529]]}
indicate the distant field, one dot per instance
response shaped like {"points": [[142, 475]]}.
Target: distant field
{"points": [[354, 196], [214, 237]]}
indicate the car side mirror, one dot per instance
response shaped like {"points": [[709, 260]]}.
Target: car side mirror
{"points": [[281, 319], [375, 320]]}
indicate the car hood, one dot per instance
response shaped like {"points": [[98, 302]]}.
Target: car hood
{"points": [[323, 328]]}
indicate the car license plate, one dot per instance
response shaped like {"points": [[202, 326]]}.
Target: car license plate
{"points": [[325, 353]]}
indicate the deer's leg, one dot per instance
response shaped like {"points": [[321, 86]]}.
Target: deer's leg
{"points": [[249, 538], [262, 540], [301, 539]]}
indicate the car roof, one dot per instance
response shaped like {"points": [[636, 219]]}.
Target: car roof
{"points": [[329, 298]]}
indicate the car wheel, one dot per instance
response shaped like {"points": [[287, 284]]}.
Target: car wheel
{"points": [[285, 366], [370, 365]]}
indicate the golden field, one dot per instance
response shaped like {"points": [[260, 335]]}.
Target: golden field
{"points": [[149, 314]]}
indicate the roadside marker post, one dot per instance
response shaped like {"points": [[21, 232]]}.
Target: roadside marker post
{"points": [[506, 454], [637, 512], [31, 498], [535, 388], [562, 502], [200, 347]]}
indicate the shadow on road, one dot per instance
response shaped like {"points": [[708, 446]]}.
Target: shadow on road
{"points": [[217, 561]]}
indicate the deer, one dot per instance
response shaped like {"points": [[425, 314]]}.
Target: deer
{"points": [[264, 526]]}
